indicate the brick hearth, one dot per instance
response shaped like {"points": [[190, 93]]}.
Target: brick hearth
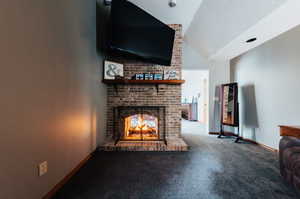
{"points": [[174, 144]]}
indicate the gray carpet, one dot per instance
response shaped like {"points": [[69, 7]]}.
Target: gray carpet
{"points": [[213, 169]]}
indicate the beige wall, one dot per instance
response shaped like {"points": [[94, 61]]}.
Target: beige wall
{"points": [[51, 103], [269, 82]]}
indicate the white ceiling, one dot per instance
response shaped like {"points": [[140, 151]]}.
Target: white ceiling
{"points": [[217, 29], [183, 13], [285, 18], [191, 59], [217, 22]]}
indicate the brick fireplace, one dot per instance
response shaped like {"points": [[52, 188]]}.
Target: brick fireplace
{"points": [[146, 112]]}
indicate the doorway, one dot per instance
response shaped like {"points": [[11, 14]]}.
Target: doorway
{"points": [[195, 100]]}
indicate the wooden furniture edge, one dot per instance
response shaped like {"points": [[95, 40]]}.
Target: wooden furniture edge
{"points": [[62, 182], [293, 131], [248, 140]]}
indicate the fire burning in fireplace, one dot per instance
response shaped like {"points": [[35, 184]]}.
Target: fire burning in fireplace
{"points": [[141, 127]]}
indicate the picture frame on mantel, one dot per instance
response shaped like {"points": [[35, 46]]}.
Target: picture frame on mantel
{"points": [[113, 70], [158, 76], [148, 76], [171, 75]]}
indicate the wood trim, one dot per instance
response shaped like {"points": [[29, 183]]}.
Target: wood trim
{"points": [[248, 140], [261, 145], [266, 147], [61, 183], [127, 81]]}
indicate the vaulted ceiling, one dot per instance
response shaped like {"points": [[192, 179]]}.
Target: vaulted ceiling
{"points": [[211, 25], [183, 13], [217, 22]]}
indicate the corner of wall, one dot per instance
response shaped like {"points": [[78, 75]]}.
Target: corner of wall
{"points": [[219, 73]]}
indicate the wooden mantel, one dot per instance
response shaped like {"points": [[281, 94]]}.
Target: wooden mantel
{"points": [[126, 81], [293, 131]]}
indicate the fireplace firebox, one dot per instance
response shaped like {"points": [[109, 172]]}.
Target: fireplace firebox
{"points": [[139, 123], [141, 127]]}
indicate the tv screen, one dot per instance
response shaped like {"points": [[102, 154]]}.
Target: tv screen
{"points": [[136, 32]]}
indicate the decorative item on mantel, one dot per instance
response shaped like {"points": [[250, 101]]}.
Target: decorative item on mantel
{"points": [[113, 70], [139, 76], [158, 76], [148, 76], [171, 75]]}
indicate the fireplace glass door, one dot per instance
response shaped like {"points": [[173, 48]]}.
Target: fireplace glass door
{"points": [[141, 127]]}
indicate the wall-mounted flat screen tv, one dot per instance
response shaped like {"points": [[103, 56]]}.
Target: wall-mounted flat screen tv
{"points": [[135, 32]]}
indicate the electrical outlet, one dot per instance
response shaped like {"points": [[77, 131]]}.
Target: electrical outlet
{"points": [[43, 168]]}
